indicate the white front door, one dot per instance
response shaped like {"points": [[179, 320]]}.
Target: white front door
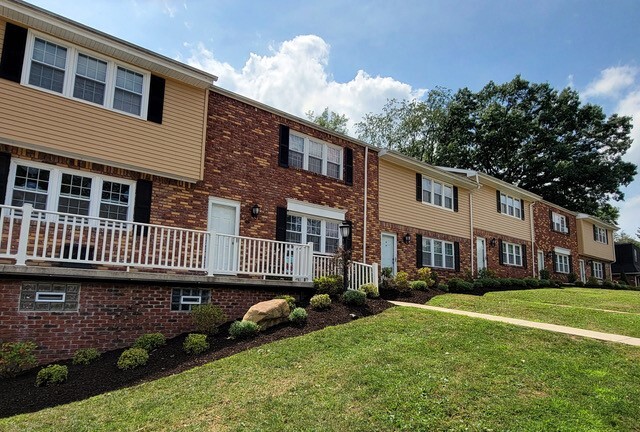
{"points": [[583, 272], [224, 218], [388, 258], [540, 261], [481, 248]]}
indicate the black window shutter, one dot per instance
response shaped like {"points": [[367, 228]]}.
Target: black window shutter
{"points": [[281, 224], [606, 236], [283, 150], [455, 198], [570, 264], [142, 206], [418, 187], [524, 256], [595, 232], [593, 270], [604, 271], [500, 256], [156, 99], [5, 162], [554, 262], [456, 255], [522, 209], [498, 201], [348, 166], [551, 219], [15, 41], [419, 250], [567, 225]]}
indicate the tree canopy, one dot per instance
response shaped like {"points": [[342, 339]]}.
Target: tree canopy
{"points": [[330, 120], [538, 138]]}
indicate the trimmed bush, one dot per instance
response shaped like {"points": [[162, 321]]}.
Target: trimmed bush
{"points": [[298, 317], [443, 287], [532, 282], [579, 284], [84, 356], [354, 298], [425, 275], [243, 329], [478, 285], [133, 358], [402, 282], [593, 282], [150, 341], [608, 284], [419, 285], [486, 273], [545, 283], [195, 343], [545, 274], [320, 301], [207, 318], [52, 374], [16, 357], [518, 283], [572, 277], [291, 301], [332, 285], [370, 290], [457, 285], [491, 283]]}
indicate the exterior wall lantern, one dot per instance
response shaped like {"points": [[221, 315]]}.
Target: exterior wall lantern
{"points": [[255, 211], [407, 238]]}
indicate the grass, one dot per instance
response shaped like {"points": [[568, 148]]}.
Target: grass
{"points": [[404, 369], [590, 309]]}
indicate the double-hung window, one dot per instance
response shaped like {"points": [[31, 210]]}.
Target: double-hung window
{"points": [[323, 233], [562, 263], [511, 254], [314, 155], [559, 223], [438, 253], [510, 206], [76, 73], [437, 193], [64, 190], [598, 271], [600, 234]]}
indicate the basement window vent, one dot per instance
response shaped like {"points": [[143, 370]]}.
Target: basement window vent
{"points": [[191, 300], [49, 297], [52, 297], [183, 299]]}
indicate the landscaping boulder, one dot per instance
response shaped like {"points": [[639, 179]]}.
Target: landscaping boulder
{"points": [[268, 313]]}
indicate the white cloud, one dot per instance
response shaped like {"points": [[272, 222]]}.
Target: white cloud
{"points": [[294, 78], [611, 82], [169, 9]]}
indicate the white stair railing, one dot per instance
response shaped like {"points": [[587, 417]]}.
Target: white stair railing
{"points": [[358, 273]]}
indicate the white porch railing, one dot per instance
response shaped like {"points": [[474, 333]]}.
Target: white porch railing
{"points": [[27, 234], [358, 273]]}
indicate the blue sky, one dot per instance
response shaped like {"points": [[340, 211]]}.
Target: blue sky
{"points": [[353, 56]]}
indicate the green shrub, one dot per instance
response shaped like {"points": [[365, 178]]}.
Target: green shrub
{"points": [[572, 277], [354, 298], [593, 282], [608, 284], [478, 285], [332, 285], [84, 356], [243, 329], [518, 283], [52, 374], [486, 273], [545, 274], [132, 358], [579, 284], [195, 343], [150, 341], [16, 357], [545, 283], [419, 285], [207, 318], [556, 283], [426, 275], [531, 282], [370, 290], [491, 283], [443, 287], [298, 317], [457, 285], [402, 282], [320, 301], [291, 301]]}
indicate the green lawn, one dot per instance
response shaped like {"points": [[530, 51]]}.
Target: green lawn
{"points": [[404, 369], [575, 307]]}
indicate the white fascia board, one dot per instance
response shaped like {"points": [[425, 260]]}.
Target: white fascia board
{"points": [[320, 211]]}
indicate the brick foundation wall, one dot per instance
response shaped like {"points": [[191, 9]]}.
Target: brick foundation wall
{"points": [[112, 315], [493, 255], [406, 253], [547, 239]]}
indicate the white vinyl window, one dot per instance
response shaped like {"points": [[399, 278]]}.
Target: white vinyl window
{"points": [[600, 234], [562, 263], [598, 271], [316, 156], [559, 223], [51, 188], [437, 193], [76, 73], [510, 206], [511, 254], [437, 253], [323, 233]]}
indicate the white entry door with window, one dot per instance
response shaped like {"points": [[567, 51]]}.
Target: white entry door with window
{"points": [[583, 272], [481, 253], [540, 262], [224, 218], [388, 251]]}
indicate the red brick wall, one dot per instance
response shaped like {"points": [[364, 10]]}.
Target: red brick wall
{"points": [[406, 253], [110, 316], [493, 255], [547, 239]]}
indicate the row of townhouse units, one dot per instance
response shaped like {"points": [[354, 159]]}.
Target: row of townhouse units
{"points": [[134, 188]]}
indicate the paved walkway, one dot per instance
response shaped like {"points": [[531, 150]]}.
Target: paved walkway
{"points": [[532, 324]]}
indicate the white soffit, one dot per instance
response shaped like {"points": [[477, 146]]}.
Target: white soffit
{"points": [[320, 211]]}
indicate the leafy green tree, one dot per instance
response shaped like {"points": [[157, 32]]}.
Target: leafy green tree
{"points": [[623, 237], [330, 120]]}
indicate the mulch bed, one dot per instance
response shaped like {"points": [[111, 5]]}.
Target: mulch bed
{"points": [[415, 296], [19, 395]]}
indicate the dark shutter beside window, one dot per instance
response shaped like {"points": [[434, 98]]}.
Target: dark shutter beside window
{"points": [[348, 166], [498, 201], [142, 206], [15, 40], [283, 149], [419, 250], [595, 233], [524, 256], [156, 99], [593, 270], [418, 187], [456, 255], [281, 224], [5, 162], [604, 271], [551, 220], [570, 264], [554, 262], [522, 209], [500, 256], [455, 198], [606, 236], [567, 225]]}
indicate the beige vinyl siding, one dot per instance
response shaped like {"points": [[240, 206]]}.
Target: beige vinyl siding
{"points": [[589, 247], [486, 216], [398, 205], [59, 125]]}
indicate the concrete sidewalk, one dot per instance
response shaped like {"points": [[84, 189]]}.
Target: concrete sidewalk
{"points": [[610, 337]]}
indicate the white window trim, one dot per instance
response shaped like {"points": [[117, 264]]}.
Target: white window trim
{"points": [[560, 223], [190, 300], [442, 185], [57, 293], [514, 199], [599, 274], [70, 73], [444, 255], [55, 177], [323, 230], [517, 247], [325, 153], [563, 259], [601, 235]]}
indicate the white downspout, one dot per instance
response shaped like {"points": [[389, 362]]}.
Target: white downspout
{"points": [[533, 241], [366, 188], [471, 230]]}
